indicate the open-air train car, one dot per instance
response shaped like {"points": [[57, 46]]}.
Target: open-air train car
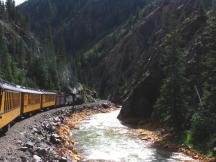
{"points": [[60, 99], [10, 103], [30, 100], [16, 101], [48, 99]]}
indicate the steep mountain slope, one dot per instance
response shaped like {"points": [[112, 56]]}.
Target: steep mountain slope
{"points": [[122, 59], [125, 63], [23, 59], [78, 23]]}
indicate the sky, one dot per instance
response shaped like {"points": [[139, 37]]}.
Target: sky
{"points": [[18, 1]]}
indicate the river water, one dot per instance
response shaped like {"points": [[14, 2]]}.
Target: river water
{"points": [[103, 137]]}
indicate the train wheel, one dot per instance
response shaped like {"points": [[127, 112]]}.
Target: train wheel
{"points": [[2, 132], [30, 114], [8, 126], [5, 129]]}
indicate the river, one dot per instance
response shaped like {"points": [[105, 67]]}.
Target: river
{"points": [[103, 137]]}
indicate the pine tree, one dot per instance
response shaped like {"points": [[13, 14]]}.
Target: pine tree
{"points": [[204, 120], [6, 63], [11, 9], [172, 103], [61, 51], [2, 10], [21, 54], [5, 59]]}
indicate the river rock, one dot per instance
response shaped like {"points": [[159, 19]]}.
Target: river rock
{"points": [[57, 119], [37, 158], [55, 139], [19, 142], [23, 148], [29, 144], [106, 105], [63, 159], [23, 159], [50, 127], [35, 130], [41, 151]]}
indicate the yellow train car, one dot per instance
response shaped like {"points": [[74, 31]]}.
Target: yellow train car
{"points": [[16, 101], [60, 100], [48, 99], [10, 103], [31, 101]]}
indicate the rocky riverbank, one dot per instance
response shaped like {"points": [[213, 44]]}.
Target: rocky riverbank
{"points": [[161, 137], [66, 148], [39, 138]]}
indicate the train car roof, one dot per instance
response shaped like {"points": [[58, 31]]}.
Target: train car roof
{"points": [[49, 93], [17, 88]]}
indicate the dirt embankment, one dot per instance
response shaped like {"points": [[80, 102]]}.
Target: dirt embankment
{"points": [[39, 138]]}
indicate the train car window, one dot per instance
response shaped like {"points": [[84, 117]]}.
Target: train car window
{"points": [[9, 102], [34, 99], [25, 99], [50, 98], [44, 98], [1, 94], [6, 102], [47, 98], [16, 100], [12, 101]]}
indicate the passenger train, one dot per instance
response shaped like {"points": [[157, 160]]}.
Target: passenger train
{"points": [[16, 101]]}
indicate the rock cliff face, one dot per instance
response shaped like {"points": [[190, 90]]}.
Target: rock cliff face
{"points": [[189, 23], [143, 95]]}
